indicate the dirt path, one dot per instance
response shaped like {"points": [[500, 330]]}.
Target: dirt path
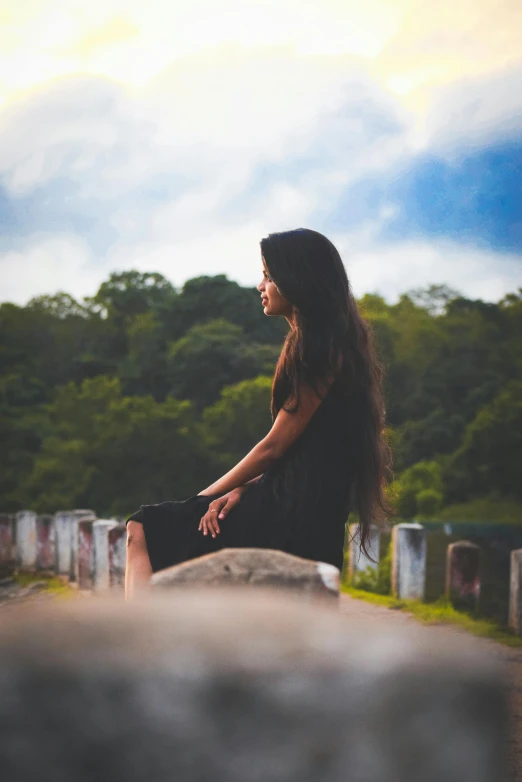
{"points": [[512, 658], [12, 594]]}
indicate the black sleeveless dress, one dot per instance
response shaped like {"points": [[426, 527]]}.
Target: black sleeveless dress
{"points": [[300, 505]]}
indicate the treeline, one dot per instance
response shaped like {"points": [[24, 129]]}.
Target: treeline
{"points": [[144, 393]]}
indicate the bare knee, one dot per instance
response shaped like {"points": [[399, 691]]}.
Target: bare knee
{"points": [[135, 535]]}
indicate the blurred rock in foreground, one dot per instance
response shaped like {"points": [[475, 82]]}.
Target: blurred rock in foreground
{"points": [[240, 686]]}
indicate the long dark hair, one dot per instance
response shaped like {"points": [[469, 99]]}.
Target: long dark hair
{"points": [[330, 338]]}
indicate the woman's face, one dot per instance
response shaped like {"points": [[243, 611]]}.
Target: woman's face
{"points": [[274, 303]]}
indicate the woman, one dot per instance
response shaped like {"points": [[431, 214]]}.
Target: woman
{"points": [[325, 454]]}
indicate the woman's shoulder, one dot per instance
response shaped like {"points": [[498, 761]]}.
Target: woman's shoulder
{"points": [[332, 411]]}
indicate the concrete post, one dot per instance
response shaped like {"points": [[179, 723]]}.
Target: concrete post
{"points": [[7, 549], [85, 558], [408, 561], [45, 543], [117, 556], [66, 522], [100, 551], [77, 516], [62, 521], [515, 592], [358, 562], [463, 575], [26, 539]]}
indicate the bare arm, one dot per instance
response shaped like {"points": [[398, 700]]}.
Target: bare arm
{"points": [[254, 480], [259, 459], [286, 428]]}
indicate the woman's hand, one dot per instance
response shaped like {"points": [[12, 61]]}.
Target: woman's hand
{"points": [[218, 509]]}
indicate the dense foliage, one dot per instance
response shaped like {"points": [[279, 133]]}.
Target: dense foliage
{"points": [[144, 393]]}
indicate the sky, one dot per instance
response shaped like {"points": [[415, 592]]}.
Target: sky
{"points": [[171, 136]]}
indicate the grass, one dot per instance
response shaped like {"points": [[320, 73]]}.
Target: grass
{"points": [[439, 612], [54, 584]]}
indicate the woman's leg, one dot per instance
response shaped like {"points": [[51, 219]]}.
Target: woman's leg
{"points": [[138, 569]]}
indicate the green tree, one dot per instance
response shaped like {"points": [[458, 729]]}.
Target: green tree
{"points": [[489, 458], [130, 293], [205, 298], [113, 453], [23, 425], [438, 433], [433, 298], [419, 489], [143, 370], [213, 355], [81, 380], [416, 378], [238, 420]]}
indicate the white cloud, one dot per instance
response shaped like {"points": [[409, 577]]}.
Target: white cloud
{"points": [[205, 118], [46, 266], [186, 177], [78, 128], [132, 41], [142, 171], [392, 269], [439, 42], [476, 111]]}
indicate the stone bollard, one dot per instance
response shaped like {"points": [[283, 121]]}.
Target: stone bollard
{"points": [[242, 687], [26, 547], [100, 554], [463, 575], [515, 592], [253, 567], [7, 548], [63, 537], [408, 561], [85, 559], [45, 543], [77, 516], [358, 562], [66, 523], [117, 538]]}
